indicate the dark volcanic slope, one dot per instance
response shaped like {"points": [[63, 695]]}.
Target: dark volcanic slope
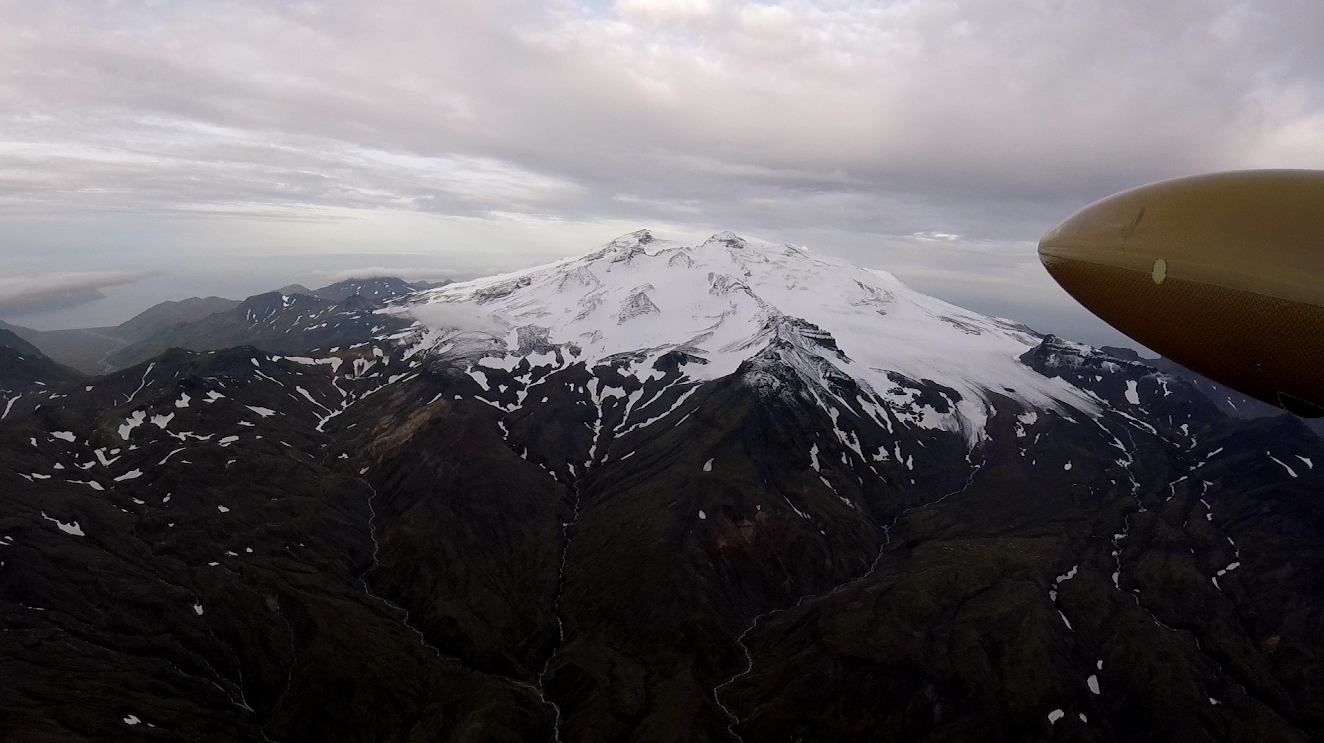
{"points": [[235, 547], [165, 315], [86, 349], [273, 322], [376, 290], [186, 558], [209, 323], [24, 370], [10, 339], [1063, 595]]}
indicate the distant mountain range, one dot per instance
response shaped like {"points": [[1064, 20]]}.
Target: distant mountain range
{"points": [[202, 324], [732, 491]]}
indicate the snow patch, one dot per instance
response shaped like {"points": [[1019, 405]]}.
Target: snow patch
{"points": [[332, 361], [72, 528], [130, 423], [1290, 471], [480, 378], [1132, 395]]}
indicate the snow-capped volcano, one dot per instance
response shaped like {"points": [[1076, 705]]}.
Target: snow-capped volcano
{"points": [[723, 302], [727, 491]]}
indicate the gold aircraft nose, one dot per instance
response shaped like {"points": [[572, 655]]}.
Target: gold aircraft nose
{"points": [[1222, 273]]}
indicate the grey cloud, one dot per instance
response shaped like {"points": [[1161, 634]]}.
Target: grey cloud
{"points": [[406, 273], [21, 294], [937, 99], [851, 123]]}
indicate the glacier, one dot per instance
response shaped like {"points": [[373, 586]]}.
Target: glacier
{"points": [[725, 301]]}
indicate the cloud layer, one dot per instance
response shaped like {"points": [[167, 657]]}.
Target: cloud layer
{"points": [[407, 273], [925, 123], [792, 111], [20, 294]]}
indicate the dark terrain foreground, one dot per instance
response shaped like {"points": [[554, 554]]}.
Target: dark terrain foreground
{"points": [[376, 543]]}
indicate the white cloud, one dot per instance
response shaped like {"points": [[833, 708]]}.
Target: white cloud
{"points": [[664, 11], [938, 237]]}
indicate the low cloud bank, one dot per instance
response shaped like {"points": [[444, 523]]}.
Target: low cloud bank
{"points": [[322, 278], [21, 294]]}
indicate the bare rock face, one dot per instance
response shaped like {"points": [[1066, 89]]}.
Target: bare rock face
{"points": [[637, 304], [738, 516]]}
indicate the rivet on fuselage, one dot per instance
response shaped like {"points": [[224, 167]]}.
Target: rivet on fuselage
{"points": [[1160, 271]]}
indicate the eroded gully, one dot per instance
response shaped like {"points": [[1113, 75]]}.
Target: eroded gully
{"points": [[401, 614], [808, 598]]}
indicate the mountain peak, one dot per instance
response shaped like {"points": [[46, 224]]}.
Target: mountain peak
{"points": [[726, 301], [638, 237], [726, 239], [623, 248]]}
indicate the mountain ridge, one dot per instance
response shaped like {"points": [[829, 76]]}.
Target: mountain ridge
{"points": [[729, 320], [152, 331]]}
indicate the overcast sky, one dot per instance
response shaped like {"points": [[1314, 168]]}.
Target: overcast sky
{"points": [[154, 149]]}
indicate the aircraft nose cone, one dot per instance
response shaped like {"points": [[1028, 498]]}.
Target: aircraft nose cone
{"points": [[1255, 231], [1222, 273], [1084, 251], [1098, 232]]}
